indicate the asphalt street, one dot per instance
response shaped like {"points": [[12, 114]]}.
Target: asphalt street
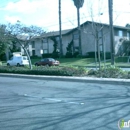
{"points": [[29, 104]]}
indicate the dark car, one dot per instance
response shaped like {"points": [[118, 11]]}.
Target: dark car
{"points": [[47, 61]]}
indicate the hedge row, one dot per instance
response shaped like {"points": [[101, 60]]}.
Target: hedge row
{"points": [[110, 72], [41, 70], [106, 72]]}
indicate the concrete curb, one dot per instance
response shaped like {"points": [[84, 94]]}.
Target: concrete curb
{"points": [[71, 79]]}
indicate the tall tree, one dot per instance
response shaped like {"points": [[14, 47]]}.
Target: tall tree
{"points": [[23, 35], [3, 39], [127, 25], [79, 4], [97, 30]]}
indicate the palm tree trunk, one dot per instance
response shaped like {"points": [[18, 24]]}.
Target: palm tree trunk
{"points": [[79, 31]]}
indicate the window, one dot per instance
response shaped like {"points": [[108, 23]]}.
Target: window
{"points": [[42, 59], [101, 47], [33, 52], [76, 36], [57, 38], [128, 35], [100, 34], [44, 40], [120, 33], [45, 51], [24, 58], [33, 44]]}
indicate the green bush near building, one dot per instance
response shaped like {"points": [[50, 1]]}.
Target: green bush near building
{"points": [[92, 55], [121, 59]]}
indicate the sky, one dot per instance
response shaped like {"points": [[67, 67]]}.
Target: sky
{"points": [[44, 13]]}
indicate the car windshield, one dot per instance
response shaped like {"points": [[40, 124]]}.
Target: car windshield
{"points": [[51, 59], [42, 59]]}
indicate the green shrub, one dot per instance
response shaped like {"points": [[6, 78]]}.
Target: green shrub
{"points": [[106, 72], [107, 55], [76, 54], [55, 55], [111, 72], [92, 72], [3, 57], [47, 55], [0, 63], [69, 55], [92, 55], [121, 59], [34, 57], [42, 70]]}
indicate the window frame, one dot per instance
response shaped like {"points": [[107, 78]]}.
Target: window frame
{"points": [[120, 33]]}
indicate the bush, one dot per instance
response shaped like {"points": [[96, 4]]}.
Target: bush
{"points": [[111, 72], [42, 70], [48, 55], [107, 54], [34, 57], [92, 55], [0, 63], [3, 57], [92, 72], [75, 55], [55, 55], [69, 55], [121, 59]]}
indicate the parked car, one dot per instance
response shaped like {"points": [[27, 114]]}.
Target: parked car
{"points": [[18, 60], [47, 61]]}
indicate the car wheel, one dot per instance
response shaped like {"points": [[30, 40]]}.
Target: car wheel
{"points": [[8, 64], [18, 64]]}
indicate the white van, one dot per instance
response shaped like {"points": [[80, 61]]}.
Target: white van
{"points": [[18, 60]]}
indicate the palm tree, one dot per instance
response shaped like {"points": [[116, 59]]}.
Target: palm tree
{"points": [[127, 25], [79, 4]]}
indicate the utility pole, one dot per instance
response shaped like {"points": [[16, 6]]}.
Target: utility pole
{"points": [[110, 5], [60, 38]]}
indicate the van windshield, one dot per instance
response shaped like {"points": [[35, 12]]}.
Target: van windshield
{"points": [[25, 58]]}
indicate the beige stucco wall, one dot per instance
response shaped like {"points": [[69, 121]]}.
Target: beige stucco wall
{"points": [[65, 40], [87, 39]]}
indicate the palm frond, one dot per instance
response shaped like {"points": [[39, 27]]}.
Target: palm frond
{"points": [[78, 3]]}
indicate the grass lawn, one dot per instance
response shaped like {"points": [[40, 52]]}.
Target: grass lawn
{"points": [[71, 61], [75, 61], [119, 61]]}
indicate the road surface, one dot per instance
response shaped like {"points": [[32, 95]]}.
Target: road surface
{"points": [[28, 104]]}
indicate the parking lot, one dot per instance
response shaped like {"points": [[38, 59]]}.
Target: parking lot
{"points": [[29, 104]]}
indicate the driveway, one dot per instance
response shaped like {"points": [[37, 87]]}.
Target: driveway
{"points": [[29, 104]]}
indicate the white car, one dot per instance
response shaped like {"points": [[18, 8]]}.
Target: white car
{"points": [[18, 61]]}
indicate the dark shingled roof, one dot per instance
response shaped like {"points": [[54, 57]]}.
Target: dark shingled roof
{"points": [[64, 32]]}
